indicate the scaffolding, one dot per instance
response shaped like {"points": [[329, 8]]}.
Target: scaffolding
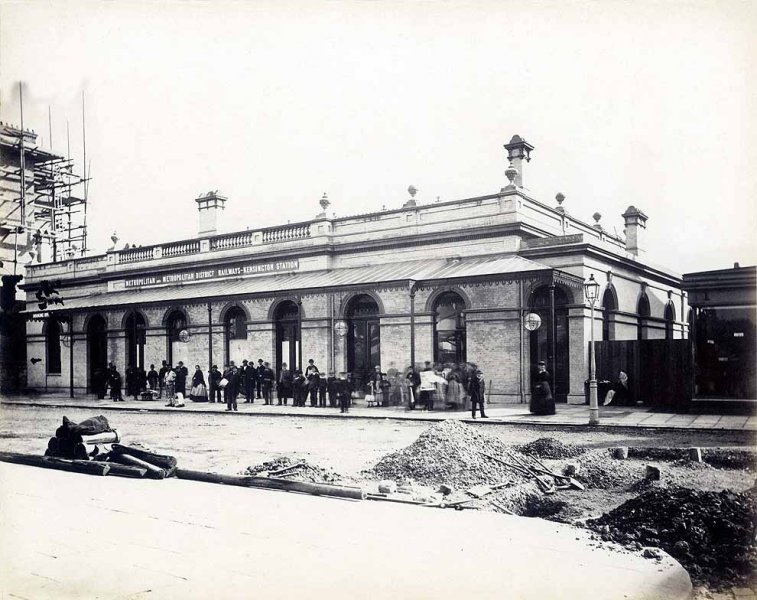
{"points": [[43, 209]]}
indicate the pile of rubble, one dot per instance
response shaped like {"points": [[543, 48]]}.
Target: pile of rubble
{"points": [[711, 534], [600, 470], [451, 453], [550, 448], [293, 469]]}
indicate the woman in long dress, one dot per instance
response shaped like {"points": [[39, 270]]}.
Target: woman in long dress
{"points": [[542, 401], [198, 393]]}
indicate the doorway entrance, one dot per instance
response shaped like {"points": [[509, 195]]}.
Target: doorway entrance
{"points": [[135, 340], [541, 339], [287, 336], [363, 339], [97, 350]]}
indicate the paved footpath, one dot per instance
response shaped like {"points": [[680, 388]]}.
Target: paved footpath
{"points": [[566, 415], [66, 535]]}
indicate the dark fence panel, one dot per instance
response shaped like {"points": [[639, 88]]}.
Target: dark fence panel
{"points": [[660, 371]]}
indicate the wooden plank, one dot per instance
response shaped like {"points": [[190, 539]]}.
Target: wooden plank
{"points": [[316, 489]]}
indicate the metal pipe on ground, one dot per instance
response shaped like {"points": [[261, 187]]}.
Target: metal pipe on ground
{"points": [[107, 437], [315, 489]]}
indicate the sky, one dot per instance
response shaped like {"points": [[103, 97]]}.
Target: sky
{"points": [[274, 103]]}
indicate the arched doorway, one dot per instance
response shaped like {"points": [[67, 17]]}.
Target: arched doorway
{"points": [[540, 340], [235, 328], [286, 318], [363, 338], [97, 349], [134, 326], [449, 328], [177, 347]]}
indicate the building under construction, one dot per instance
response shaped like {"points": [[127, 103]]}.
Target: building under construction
{"points": [[43, 218]]}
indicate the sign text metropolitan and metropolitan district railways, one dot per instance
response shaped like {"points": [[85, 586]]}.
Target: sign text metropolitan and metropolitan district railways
{"points": [[213, 273]]}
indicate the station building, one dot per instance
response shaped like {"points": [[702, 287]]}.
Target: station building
{"points": [[443, 282]]}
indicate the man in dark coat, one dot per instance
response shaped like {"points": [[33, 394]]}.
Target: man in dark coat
{"points": [[258, 378], [162, 377], [284, 389], [477, 388], [131, 381], [267, 378], [341, 388], [330, 389], [299, 389], [232, 389], [153, 378], [181, 379], [214, 378]]}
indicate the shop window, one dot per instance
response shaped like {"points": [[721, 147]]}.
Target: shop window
{"points": [[449, 329], [52, 342]]}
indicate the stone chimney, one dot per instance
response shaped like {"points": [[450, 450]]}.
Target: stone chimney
{"points": [[518, 153], [636, 223], [209, 206]]}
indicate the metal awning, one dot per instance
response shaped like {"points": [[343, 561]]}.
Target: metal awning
{"points": [[422, 271]]}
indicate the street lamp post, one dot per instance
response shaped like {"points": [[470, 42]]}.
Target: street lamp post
{"points": [[591, 289]]}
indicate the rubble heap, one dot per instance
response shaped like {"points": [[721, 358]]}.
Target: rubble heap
{"points": [[710, 533], [551, 448], [601, 471], [449, 452], [296, 470]]}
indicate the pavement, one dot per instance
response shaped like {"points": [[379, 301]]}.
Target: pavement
{"points": [[67, 535], [566, 415]]}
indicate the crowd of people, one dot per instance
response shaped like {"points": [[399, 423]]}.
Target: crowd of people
{"points": [[458, 386]]}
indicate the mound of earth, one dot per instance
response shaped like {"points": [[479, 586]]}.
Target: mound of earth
{"points": [[710, 533], [600, 470], [449, 452], [301, 470], [551, 448]]}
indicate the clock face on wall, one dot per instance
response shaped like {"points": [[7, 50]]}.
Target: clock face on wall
{"points": [[532, 321], [183, 335], [340, 327]]}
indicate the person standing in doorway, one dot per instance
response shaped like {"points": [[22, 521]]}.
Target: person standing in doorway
{"points": [[114, 381], [477, 389], [181, 379], [542, 401], [284, 387]]}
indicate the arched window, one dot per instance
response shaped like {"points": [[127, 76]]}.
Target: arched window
{"points": [[449, 328], [175, 324], [235, 324], [134, 325], [670, 317], [235, 328], [608, 306], [643, 312], [52, 343]]}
